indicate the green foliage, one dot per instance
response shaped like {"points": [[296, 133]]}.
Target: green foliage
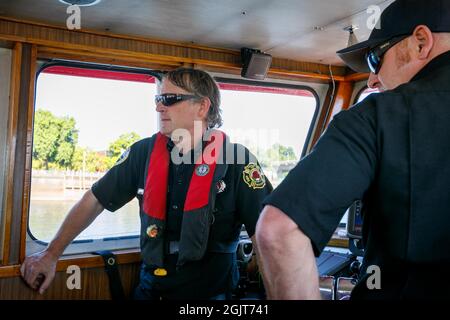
{"points": [[55, 146], [122, 143], [90, 161], [55, 139], [276, 154], [97, 162]]}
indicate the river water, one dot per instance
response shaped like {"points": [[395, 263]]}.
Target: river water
{"points": [[50, 203]]}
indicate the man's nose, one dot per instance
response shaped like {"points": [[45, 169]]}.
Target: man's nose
{"points": [[160, 107], [373, 82]]}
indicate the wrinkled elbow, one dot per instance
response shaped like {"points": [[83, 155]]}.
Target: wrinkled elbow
{"points": [[272, 225]]}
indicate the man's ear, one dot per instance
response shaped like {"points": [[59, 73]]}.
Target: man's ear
{"points": [[423, 42], [205, 104]]}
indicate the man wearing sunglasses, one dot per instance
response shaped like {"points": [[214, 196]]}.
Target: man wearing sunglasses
{"points": [[195, 191], [392, 151]]}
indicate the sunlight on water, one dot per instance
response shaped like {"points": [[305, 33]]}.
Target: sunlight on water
{"points": [[47, 216]]}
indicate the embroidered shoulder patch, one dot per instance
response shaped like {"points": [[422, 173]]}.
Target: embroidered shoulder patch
{"points": [[253, 176], [123, 157]]}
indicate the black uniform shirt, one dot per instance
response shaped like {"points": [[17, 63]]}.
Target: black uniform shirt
{"points": [[238, 204], [393, 151]]}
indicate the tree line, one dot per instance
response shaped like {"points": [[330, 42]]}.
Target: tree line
{"points": [[55, 146]]}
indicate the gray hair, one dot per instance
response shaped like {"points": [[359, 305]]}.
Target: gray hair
{"points": [[201, 84]]}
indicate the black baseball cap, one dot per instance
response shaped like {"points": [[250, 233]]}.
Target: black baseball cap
{"points": [[400, 18]]}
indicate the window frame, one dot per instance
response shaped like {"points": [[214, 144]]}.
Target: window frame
{"points": [[360, 92], [81, 247], [84, 246], [282, 87]]}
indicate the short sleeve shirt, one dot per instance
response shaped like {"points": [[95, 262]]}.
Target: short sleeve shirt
{"points": [[392, 151], [240, 202]]}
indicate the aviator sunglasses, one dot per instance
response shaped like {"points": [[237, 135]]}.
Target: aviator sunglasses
{"points": [[375, 55], [169, 99]]}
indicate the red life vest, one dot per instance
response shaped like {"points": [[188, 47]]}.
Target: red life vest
{"points": [[197, 215]]}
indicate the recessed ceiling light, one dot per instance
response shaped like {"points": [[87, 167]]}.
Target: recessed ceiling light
{"points": [[81, 3]]}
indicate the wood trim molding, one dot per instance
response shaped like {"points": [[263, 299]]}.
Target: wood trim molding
{"points": [[137, 49], [305, 75], [340, 243], [118, 36], [83, 261], [28, 153], [93, 57], [16, 183], [355, 77], [11, 145], [341, 101]]}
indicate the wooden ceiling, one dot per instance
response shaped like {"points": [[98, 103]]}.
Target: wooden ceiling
{"points": [[302, 30]]}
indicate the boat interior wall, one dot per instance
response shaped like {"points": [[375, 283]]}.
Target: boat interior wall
{"points": [[94, 285], [56, 41], [301, 30], [5, 76], [301, 36]]}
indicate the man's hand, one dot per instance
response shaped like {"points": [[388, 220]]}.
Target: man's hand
{"points": [[38, 270]]}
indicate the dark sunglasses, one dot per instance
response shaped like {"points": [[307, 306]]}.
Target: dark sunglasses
{"points": [[375, 55], [169, 99]]}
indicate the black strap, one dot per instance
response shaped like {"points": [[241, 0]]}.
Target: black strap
{"points": [[115, 284]]}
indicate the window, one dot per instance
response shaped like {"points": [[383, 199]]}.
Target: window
{"points": [[365, 93], [84, 120], [272, 121]]}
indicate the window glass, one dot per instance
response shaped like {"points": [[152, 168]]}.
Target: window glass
{"points": [[365, 93], [84, 120], [272, 122]]}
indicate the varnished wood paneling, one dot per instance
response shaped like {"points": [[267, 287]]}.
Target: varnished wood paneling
{"points": [[340, 100], [11, 145], [355, 77], [20, 133], [82, 260], [341, 243], [92, 57], [148, 50], [343, 98], [28, 152], [94, 285]]}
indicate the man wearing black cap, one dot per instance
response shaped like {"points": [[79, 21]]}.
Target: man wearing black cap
{"points": [[392, 151]]}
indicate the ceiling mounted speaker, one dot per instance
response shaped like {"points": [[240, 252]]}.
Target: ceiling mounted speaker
{"points": [[255, 64], [81, 3]]}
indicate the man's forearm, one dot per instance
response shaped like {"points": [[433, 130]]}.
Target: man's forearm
{"points": [[260, 264], [286, 254], [82, 214]]}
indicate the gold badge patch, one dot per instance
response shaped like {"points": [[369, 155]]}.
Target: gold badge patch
{"points": [[253, 176], [160, 272], [152, 231]]}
